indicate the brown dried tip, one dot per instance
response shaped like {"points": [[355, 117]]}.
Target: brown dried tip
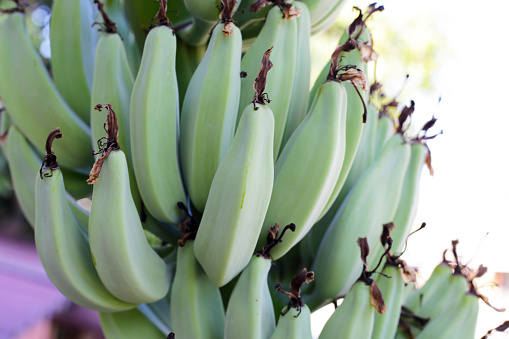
{"points": [[50, 159], [357, 26], [259, 4], [303, 277], [290, 11], [171, 335], [386, 233], [367, 52], [408, 274], [363, 244], [188, 226], [261, 80], [405, 115], [356, 77], [500, 328], [162, 19], [377, 301], [110, 26], [335, 58], [105, 148], [227, 7], [274, 237]]}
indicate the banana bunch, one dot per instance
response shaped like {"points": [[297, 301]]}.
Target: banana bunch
{"points": [[213, 138]]}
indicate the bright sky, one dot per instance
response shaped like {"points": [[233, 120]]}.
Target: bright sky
{"points": [[469, 194]]}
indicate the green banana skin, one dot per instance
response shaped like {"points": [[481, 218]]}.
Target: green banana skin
{"points": [[39, 107], [385, 130], [457, 322], [154, 107], [295, 324], [329, 20], [281, 34], [208, 119], [238, 198], [301, 190], [321, 9], [131, 324], [187, 60], [117, 12], [196, 307], [127, 265], [407, 208], [354, 318], [204, 9], [63, 248], [385, 325], [250, 313], [197, 33], [338, 247], [300, 92], [435, 282], [73, 42]]}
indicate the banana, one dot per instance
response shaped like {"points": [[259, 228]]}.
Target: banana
{"points": [[355, 317], [154, 113], [131, 324], [196, 307], [300, 91], [395, 275], [117, 11], [187, 60], [73, 42], [321, 9], [62, 242], [458, 322], [209, 116], [280, 33], [383, 178], [295, 324], [32, 100], [301, 189], [240, 192], [250, 311], [294, 320], [127, 265], [207, 10], [385, 128]]}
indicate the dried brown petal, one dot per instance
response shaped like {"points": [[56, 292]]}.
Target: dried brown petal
{"points": [[367, 53], [356, 77], [257, 5], [408, 274], [261, 79], [386, 233], [334, 68], [363, 244], [377, 300], [228, 29], [96, 169], [290, 11]]}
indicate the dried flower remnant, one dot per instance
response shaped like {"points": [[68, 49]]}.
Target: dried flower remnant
{"points": [[367, 52], [50, 159], [261, 80]]}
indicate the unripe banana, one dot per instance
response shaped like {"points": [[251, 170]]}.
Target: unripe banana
{"points": [[196, 307], [385, 129], [301, 189], [321, 9], [32, 100], [154, 114], [127, 265], [407, 207], [458, 322], [73, 42], [240, 192], [337, 261], [209, 112], [187, 60], [62, 243], [281, 33], [295, 324], [130, 324], [300, 91]]}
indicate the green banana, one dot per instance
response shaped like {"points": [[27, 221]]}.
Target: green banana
{"points": [[187, 60], [250, 312], [321, 9], [207, 10], [295, 324], [73, 43], [117, 11], [458, 322], [240, 192], [385, 128], [355, 317], [131, 324], [35, 105], [208, 117], [62, 242], [326, 22], [301, 189], [154, 113], [196, 307], [280, 33], [391, 283], [383, 178], [127, 265], [300, 91]]}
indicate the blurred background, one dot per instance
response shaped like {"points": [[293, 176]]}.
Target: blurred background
{"points": [[450, 50]]}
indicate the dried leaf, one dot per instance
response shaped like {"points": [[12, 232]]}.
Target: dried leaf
{"points": [[377, 300]]}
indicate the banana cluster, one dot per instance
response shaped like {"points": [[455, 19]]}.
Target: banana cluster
{"points": [[195, 139]]}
